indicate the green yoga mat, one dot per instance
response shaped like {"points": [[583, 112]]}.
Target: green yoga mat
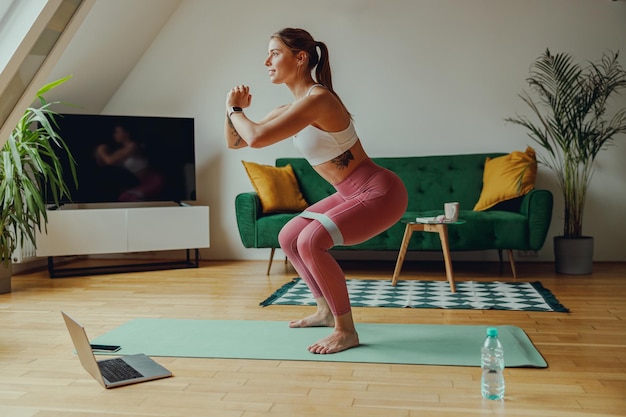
{"points": [[422, 344]]}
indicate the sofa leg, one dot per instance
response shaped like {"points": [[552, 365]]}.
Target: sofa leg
{"points": [[269, 265], [509, 253]]}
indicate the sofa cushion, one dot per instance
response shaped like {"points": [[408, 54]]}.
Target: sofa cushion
{"points": [[507, 177], [277, 188]]}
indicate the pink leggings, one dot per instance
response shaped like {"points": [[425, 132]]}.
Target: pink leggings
{"points": [[367, 202]]}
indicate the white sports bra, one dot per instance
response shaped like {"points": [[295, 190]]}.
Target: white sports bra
{"points": [[319, 146]]}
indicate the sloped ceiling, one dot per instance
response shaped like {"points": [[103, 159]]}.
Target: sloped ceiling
{"points": [[105, 49]]}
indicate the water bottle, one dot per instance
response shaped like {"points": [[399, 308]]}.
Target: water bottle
{"points": [[492, 364]]}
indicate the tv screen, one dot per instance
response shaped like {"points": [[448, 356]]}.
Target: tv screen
{"points": [[129, 158]]}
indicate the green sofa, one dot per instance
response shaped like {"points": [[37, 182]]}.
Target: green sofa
{"points": [[431, 181]]}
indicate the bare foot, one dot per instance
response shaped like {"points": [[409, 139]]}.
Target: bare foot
{"points": [[319, 319], [338, 341]]}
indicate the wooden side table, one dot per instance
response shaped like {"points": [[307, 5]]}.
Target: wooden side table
{"points": [[442, 230]]}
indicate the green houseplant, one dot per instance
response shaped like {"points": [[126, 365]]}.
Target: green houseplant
{"points": [[572, 126], [29, 165]]}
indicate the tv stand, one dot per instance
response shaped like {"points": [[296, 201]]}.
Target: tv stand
{"points": [[123, 230], [55, 272]]}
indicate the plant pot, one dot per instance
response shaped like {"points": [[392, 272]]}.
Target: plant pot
{"points": [[5, 278], [573, 256]]}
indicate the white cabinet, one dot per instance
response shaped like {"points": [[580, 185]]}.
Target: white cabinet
{"points": [[83, 232], [120, 230], [168, 228]]}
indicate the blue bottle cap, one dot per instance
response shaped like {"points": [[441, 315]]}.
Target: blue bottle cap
{"points": [[492, 332]]}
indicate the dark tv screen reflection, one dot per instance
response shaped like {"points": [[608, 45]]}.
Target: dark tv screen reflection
{"points": [[129, 158]]}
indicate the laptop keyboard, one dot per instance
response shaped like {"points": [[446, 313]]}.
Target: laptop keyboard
{"points": [[116, 370]]}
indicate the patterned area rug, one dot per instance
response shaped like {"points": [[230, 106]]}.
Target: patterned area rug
{"points": [[470, 295]]}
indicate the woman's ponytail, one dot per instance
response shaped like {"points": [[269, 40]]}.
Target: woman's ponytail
{"points": [[322, 71]]}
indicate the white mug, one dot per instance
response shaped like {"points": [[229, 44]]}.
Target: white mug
{"points": [[451, 211]]}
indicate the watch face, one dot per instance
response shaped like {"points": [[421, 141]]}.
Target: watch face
{"points": [[236, 109]]}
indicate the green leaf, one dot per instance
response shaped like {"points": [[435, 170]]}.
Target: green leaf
{"points": [[43, 90], [28, 161]]}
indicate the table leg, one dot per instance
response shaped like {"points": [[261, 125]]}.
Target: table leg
{"points": [[445, 247], [408, 232]]}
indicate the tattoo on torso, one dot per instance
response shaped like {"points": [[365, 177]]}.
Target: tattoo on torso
{"points": [[342, 161]]}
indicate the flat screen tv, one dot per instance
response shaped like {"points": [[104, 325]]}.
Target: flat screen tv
{"points": [[129, 158]]}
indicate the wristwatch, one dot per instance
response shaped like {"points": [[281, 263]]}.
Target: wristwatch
{"points": [[234, 109]]}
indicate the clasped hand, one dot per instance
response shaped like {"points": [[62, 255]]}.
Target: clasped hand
{"points": [[239, 96]]}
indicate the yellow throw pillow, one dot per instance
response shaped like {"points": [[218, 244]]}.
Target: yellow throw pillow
{"points": [[277, 188], [507, 177]]}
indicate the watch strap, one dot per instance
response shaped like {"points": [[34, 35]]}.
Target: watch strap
{"points": [[234, 109]]}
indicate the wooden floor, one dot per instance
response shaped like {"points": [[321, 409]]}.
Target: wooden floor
{"points": [[41, 377]]}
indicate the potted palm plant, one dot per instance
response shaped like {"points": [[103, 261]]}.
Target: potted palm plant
{"points": [[572, 125], [29, 166]]}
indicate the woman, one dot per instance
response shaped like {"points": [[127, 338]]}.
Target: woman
{"points": [[369, 199], [127, 153]]}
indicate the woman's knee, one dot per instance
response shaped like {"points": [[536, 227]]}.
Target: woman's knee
{"points": [[313, 238], [286, 238], [288, 235]]}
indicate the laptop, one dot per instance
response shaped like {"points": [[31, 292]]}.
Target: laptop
{"points": [[112, 373]]}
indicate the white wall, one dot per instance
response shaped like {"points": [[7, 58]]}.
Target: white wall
{"points": [[107, 46], [421, 77]]}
